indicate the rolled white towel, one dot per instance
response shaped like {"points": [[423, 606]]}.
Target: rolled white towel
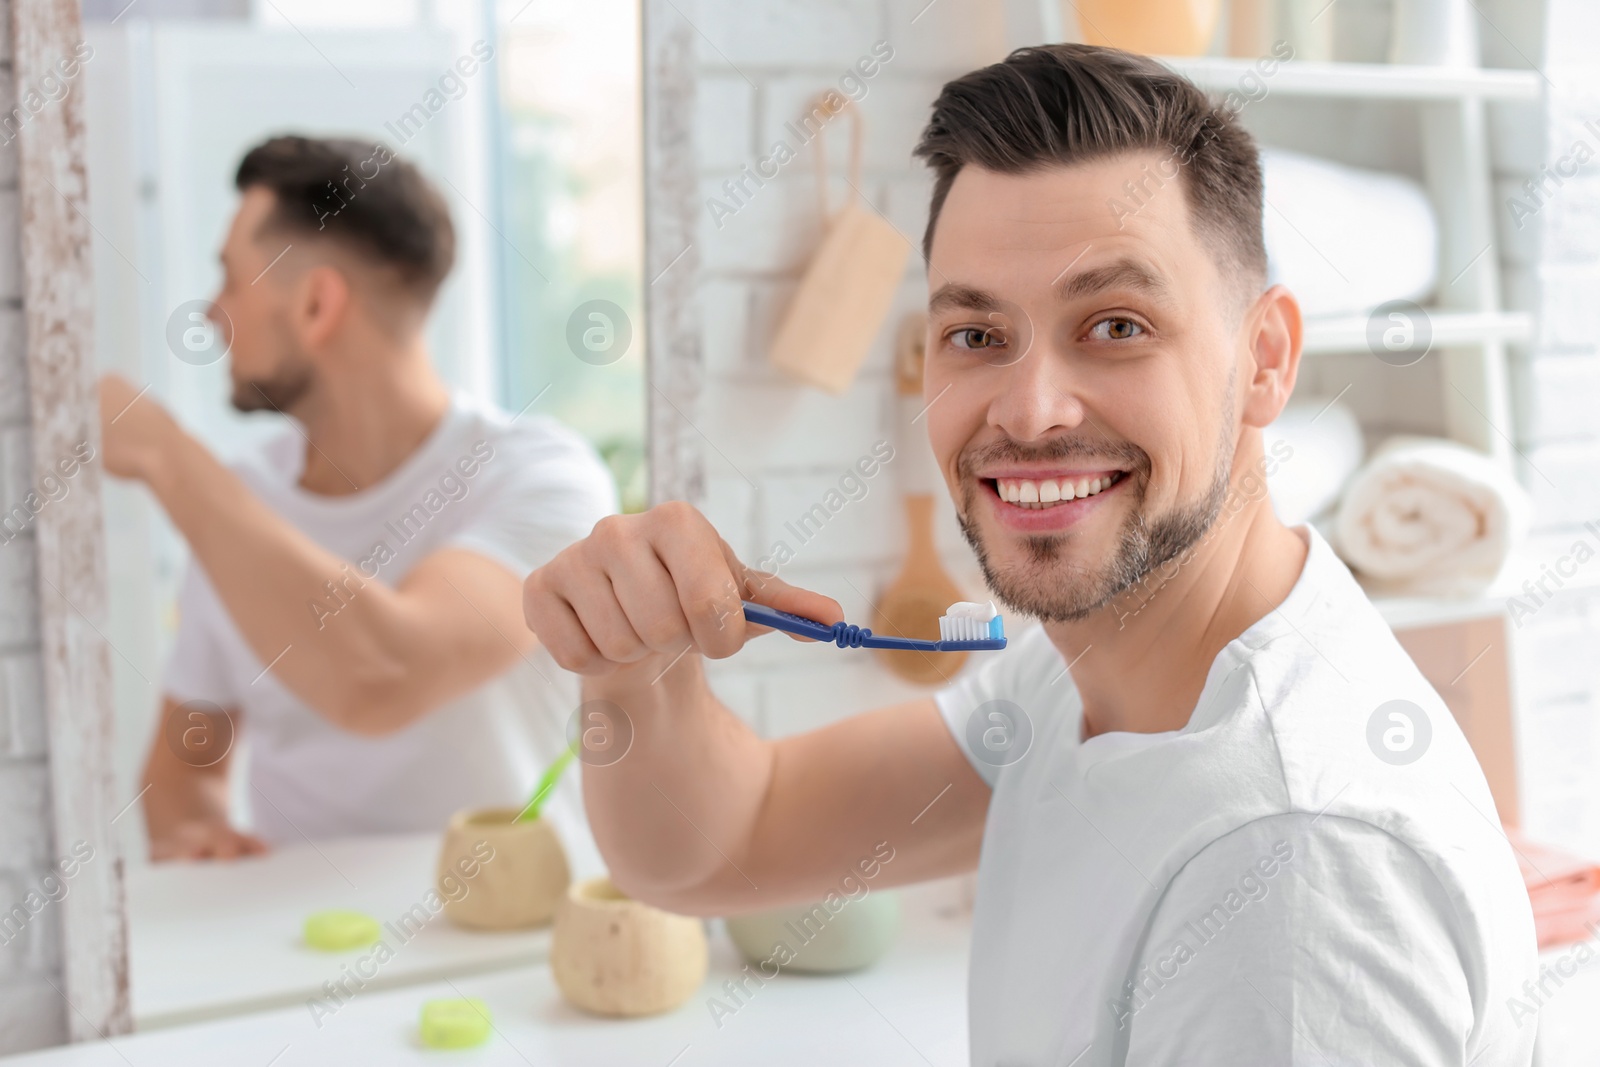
{"points": [[1346, 239], [1319, 446], [1430, 516]]}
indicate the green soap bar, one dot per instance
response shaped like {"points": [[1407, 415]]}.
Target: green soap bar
{"points": [[455, 1023], [337, 930]]}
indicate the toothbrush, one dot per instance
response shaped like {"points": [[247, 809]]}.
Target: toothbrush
{"points": [[964, 627], [552, 774]]}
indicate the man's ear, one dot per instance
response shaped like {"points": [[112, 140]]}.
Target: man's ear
{"points": [[322, 305], [1270, 362]]}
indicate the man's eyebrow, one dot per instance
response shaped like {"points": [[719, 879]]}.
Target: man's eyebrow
{"points": [[953, 297], [1121, 274]]}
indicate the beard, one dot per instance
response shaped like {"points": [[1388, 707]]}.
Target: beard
{"points": [[281, 393], [1045, 587]]}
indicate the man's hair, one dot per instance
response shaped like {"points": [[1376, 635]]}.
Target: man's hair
{"points": [[1075, 103], [361, 195]]}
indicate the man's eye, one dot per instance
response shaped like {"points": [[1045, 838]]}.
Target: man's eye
{"points": [[974, 337], [1115, 329]]}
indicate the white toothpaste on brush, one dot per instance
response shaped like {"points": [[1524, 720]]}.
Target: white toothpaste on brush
{"points": [[968, 621]]}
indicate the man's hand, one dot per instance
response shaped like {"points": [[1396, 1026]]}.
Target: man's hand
{"points": [[203, 840], [136, 432], [698, 814], [655, 583]]}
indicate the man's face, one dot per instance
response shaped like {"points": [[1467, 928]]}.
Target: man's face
{"points": [[1073, 356], [268, 367]]}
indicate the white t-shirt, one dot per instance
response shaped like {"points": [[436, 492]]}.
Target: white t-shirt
{"points": [[515, 492], [1265, 885]]}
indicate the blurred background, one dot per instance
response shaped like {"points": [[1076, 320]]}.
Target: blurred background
{"points": [[1431, 197]]}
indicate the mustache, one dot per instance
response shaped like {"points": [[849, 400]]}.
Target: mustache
{"points": [[1123, 454]]}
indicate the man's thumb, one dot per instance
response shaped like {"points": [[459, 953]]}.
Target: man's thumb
{"points": [[772, 591]]}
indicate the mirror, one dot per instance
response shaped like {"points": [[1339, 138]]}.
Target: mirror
{"points": [[524, 119]]}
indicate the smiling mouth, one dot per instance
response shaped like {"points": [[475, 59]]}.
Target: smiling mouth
{"points": [[1041, 494]]}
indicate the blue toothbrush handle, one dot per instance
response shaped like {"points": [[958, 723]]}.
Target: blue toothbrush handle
{"points": [[842, 634], [846, 635], [782, 620]]}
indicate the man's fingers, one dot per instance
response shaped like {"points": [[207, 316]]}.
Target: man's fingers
{"points": [[774, 592], [590, 594], [644, 589], [642, 585], [560, 630], [160, 851], [230, 844], [205, 841], [707, 594]]}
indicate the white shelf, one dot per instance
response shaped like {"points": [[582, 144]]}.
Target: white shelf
{"points": [[1406, 612], [1450, 329], [1413, 612], [1371, 81], [1453, 139]]}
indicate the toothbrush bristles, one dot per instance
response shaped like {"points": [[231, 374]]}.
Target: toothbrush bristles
{"points": [[962, 629]]}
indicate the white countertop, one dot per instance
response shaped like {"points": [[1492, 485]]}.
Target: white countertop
{"points": [[909, 1008], [219, 976], [206, 940]]}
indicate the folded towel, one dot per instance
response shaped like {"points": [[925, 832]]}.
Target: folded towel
{"points": [[1429, 516], [1343, 239], [1324, 448], [1563, 889]]}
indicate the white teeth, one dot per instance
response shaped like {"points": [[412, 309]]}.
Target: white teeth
{"points": [[1047, 492]]}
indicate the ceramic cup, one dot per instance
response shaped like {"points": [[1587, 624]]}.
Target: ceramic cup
{"points": [[1440, 33], [615, 956], [812, 939], [1154, 27], [518, 884]]}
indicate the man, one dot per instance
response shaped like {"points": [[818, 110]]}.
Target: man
{"points": [[1199, 857], [353, 599]]}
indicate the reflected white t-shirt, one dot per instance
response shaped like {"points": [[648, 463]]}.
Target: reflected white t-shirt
{"points": [[1269, 884], [517, 492]]}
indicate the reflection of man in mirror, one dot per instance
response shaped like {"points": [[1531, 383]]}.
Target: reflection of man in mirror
{"points": [[353, 604], [1217, 814]]}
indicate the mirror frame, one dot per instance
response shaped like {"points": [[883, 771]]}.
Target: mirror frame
{"points": [[674, 370], [51, 209], [58, 312]]}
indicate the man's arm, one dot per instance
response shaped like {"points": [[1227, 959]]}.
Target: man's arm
{"points": [[186, 803], [701, 816], [389, 655]]}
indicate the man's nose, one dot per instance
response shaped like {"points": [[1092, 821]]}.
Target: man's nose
{"points": [[1037, 395]]}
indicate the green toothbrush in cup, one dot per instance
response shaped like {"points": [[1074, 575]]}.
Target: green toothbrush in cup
{"points": [[547, 785]]}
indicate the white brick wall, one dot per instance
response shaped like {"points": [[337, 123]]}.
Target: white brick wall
{"points": [[32, 1014], [783, 446], [1556, 275], [768, 59]]}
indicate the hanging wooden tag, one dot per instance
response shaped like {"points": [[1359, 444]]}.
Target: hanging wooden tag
{"points": [[849, 286]]}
